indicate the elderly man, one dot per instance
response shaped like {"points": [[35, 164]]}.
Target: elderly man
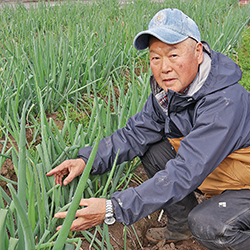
{"points": [[193, 133]]}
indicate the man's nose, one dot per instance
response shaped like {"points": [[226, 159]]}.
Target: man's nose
{"points": [[166, 66]]}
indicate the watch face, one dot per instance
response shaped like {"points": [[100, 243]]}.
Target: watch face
{"points": [[109, 221]]}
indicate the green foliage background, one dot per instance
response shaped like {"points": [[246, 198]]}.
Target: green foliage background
{"points": [[76, 60], [242, 58]]}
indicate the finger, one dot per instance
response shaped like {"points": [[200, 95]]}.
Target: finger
{"points": [[84, 202], [81, 213], [54, 171], [51, 172], [58, 179], [60, 215], [69, 178], [57, 169], [81, 224], [76, 225], [76, 170]]}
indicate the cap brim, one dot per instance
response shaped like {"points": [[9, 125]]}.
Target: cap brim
{"points": [[168, 36]]}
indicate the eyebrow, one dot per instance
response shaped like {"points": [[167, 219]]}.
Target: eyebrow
{"points": [[169, 49], [152, 51]]}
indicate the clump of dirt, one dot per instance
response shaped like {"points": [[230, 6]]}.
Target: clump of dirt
{"points": [[7, 169]]}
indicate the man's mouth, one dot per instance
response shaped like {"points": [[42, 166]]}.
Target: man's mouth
{"points": [[169, 80]]}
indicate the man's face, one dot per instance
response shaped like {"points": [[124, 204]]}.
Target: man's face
{"points": [[175, 66]]}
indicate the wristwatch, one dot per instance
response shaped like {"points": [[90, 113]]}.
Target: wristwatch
{"points": [[109, 218]]}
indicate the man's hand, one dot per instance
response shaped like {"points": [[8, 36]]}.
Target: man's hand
{"points": [[72, 168], [92, 215]]}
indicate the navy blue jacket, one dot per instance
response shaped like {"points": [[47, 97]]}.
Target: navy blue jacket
{"points": [[214, 121]]}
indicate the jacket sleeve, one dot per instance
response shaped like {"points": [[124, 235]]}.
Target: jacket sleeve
{"points": [[142, 129], [216, 133]]}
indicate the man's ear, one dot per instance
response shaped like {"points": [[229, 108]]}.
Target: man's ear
{"points": [[199, 52]]}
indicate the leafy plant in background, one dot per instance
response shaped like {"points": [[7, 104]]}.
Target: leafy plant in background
{"points": [[80, 56], [241, 56], [68, 47]]}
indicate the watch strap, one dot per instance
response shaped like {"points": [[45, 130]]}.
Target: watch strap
{"points": [[109, 216]]}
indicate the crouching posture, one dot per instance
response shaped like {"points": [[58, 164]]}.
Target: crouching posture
{"points": [[193, 133]]}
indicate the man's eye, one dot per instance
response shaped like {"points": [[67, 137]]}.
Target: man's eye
{"points": [[174, 55]]}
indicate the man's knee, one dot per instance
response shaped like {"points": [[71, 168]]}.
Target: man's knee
{"points": [[157, 156], [200, 224], [204, 229], [211, 231]]}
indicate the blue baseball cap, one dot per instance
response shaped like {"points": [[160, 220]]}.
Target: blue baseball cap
{"points": [[170, 26]]}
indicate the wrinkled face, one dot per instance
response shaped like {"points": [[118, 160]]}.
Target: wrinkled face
{"points": [[175, 66]]}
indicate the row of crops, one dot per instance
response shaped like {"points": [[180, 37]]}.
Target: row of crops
{"points": [[77, 58]]}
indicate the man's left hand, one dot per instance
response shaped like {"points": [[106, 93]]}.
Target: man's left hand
{"points": [[92, 215]]}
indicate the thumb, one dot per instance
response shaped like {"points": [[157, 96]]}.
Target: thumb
{"points": [[84, 202], [69, 178]]}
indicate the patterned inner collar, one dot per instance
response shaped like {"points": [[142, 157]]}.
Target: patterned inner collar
{"points": [[160, 94]]}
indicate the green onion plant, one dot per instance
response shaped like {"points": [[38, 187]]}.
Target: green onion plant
{"points": [[78, 55]]}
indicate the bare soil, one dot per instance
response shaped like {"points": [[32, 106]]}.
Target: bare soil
{"points": [[7, 169]]}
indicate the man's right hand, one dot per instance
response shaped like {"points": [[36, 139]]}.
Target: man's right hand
{"points": [[72, 168]]}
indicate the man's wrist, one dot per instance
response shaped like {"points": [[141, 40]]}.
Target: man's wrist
{"points": [[109, 218]]}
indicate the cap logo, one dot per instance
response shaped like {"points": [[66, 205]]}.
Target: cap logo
{"points": [[158, 20]]}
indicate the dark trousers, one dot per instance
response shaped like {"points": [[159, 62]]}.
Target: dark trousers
{"points": [[221, 222]]}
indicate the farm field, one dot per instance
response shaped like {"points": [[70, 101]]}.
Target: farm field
{"points": [[69, 77]]}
